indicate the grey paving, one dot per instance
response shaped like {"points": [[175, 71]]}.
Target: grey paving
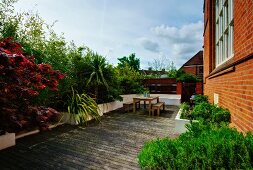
{"points": [[113, 143]]}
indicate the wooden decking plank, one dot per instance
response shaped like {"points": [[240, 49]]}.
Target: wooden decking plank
{"points": [[112, 144]]}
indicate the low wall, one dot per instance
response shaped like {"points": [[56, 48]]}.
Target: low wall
{"points": [[107, 107]]}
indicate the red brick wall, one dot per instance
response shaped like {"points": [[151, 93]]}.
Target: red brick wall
{"points": [[199, 88], [235, 88], [190, 70], [179, 87]]}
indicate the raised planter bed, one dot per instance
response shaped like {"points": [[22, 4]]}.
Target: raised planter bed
{"points": [[180, 123], [7, 140]]}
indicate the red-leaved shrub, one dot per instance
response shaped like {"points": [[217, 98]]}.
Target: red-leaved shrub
{"points": [[21, 79]]}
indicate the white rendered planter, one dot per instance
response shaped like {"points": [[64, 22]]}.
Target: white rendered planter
{"points": [[180, 123], [7, 140], [107, 107], [103, 108]]}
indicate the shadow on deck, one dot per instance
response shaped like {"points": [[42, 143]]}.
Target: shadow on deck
{"points": [[113, 143]]}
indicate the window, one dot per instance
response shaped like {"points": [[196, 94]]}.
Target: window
{"points": [[224, 31]]}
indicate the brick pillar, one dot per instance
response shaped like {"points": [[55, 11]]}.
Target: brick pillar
{"points": [[179, 87], [199, 88]]}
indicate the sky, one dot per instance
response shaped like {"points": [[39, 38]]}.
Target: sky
{"points": [[162, 30]]}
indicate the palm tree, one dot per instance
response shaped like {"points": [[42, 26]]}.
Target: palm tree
{"points": [[97, 64]]}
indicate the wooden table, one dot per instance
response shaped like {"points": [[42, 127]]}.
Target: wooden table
{"points": [[145, 99]]}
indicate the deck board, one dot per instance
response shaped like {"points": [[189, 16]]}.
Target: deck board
{"points": [[113, 143]]}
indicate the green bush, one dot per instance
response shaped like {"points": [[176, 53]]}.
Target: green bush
{"points": [[200, 98], [202, 111], [210, 113], [185, 114], [159, 154], [187, 78], [203, 147]]}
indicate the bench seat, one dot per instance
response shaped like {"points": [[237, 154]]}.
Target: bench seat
{"points": [[129, 105], [157, 107]]}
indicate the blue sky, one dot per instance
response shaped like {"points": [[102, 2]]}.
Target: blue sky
{"points": [[166, 30]]}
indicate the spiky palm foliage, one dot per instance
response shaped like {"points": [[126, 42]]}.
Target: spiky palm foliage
{"points": [[97, 65], [82, 108]]}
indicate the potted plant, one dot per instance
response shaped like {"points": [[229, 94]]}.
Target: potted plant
{"points": [[146, 93]]}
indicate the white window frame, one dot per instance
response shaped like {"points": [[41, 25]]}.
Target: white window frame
{"points": [[224, 30]]}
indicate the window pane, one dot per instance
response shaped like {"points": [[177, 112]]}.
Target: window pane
{"points": [[226, 46], [217, 9], [224, 30], [217, 54], [232, 38], [229, 43]]}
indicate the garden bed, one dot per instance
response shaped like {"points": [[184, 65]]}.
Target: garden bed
{"points": [[180, 123]]}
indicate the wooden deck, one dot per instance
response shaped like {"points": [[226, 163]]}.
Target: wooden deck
{"points": [[113, 143]]}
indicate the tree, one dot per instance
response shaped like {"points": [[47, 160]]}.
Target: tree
{"points": [[172, 70], [130, 61], [21, 79], [97, 65]]}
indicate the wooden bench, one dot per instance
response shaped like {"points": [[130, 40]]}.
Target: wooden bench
{"points": [[157, 107], [129, 105]]}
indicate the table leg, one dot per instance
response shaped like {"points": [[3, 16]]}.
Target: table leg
{"points": [[144, 104], [149, 108], [134, 105], [157, 99]]}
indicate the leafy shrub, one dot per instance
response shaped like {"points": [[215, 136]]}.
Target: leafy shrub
{"points": [[21, 79], [210, 113], [209, 148], [185, 114], [130, 80], [187, 78], [82, 108], [159, 154], [200, 98], [202, 111]]}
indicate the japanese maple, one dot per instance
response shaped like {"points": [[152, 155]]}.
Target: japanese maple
{"points": [[21, 79]]}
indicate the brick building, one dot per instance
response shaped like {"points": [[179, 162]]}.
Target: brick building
{"points": [[194, 65], [228, 58]]}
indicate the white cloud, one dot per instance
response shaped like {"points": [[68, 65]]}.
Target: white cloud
{"points": [[149, 45], [183, 41], [114, 28], [186, 34]]}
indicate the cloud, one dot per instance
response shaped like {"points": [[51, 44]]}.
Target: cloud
{"points": [[149, 45], [183, 41], [186, 34]]}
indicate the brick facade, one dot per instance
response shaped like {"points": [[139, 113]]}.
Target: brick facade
{"points": [[194, 65], [233, 80]]}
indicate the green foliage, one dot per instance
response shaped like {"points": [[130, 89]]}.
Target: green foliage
{"points": [[210, 113], [130, 61], [181, 76], [203, 147], [187, 78], [82, 108], [130, 80], [200, 98], [172, 71], [185, 114], [159, 154], [80, 65]]}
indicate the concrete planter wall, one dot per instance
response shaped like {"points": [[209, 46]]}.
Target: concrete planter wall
{"points": [[107, 107], [180, 123], [103, 108], [7, 140]]}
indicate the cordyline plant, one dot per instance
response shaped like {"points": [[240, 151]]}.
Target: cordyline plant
{"points": [[21, 79]]}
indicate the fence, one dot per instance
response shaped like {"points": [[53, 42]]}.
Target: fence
{"points": [[161, 85], [171, 86]]}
